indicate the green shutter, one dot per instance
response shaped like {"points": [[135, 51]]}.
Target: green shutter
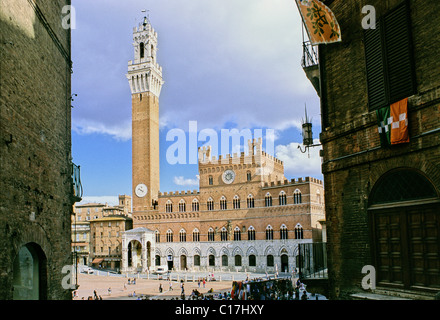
{"points": [[389, 59], [375, 68], [397, 33]]}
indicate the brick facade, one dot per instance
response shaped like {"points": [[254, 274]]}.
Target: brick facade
{"points": [[35, 143], [353, 159]]}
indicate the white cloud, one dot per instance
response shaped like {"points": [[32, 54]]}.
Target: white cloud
{"points": [[298, 164], [120, 132], [181, 181], [239, 60]]}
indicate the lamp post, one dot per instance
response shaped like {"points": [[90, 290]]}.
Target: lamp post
{"points": [[307, 135]]}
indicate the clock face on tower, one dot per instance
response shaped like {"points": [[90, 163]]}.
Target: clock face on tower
{"points": [[228, 176], [141, 190]]}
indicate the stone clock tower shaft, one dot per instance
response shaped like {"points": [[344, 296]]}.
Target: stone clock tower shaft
{"points": [[145, 80]]}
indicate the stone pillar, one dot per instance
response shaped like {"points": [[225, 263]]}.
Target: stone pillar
{"points": [[143, 252], [124, 262]]}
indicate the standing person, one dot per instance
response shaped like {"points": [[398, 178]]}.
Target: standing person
{"points": [[171, 286], [95, 294], [183, 291], [204, 281], [109, 291], [160, 287]]}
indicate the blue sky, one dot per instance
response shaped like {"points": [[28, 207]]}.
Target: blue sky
{"points": [[226, 64]]}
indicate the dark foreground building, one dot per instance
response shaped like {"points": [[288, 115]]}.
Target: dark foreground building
{"points": [[36, 186], [382, 201]]}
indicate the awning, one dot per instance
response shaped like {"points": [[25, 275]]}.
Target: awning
{"points": [[97, 260]]}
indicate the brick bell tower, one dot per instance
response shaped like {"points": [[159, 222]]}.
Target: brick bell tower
{"points": [[145, 79]]}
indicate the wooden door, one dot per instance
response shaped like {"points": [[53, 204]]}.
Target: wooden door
{"points": [[406, 246]]}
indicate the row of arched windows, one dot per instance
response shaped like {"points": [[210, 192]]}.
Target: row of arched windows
{"points": [[236, 202], [252, 260], [237, 234]]}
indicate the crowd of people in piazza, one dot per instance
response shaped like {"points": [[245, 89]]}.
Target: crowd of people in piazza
{"points": [[267, 288]]}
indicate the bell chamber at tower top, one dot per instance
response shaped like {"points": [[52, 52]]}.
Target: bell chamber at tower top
{"points": [[144, 73]]}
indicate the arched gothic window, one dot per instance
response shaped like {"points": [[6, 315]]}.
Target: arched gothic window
{"points": [[195, 205], [169, 206], [210, 204], [169, 235], [297, 197], [251, 233], [196, 235], [299, 232], [282, 198], [211, 234], [269, 232], [268, 200], [182, 235], [237, 234], [224, 234], [142, 50], [250, 201], [223, 203], [283, 232], [236, 202], [182, 206]]}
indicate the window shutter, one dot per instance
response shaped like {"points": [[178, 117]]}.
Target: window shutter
{"points": [[398, 54], [389, 60], [375, 68]]}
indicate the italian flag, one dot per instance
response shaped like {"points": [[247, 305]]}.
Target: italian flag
{"points": [[393, 123]]}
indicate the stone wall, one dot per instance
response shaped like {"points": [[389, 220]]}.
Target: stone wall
{"points": [[35, 140], [353, 159]]}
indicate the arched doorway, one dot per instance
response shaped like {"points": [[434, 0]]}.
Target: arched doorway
{"points": [[170, 261], [183, 262], [284, 263], [135, 254], [404, 219], [30, 273], [211, 260]]}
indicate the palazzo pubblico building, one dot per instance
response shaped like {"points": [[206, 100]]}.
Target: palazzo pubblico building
{"points": [[245, 216]]}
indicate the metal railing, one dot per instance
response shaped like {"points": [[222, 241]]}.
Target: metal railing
{"points": [[310, 55], [312, 260]]}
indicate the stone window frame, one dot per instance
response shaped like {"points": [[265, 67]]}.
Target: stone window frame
{"points": [[269, 232], [268, 200], [223, 203], [282, 198], [182, 205], [170, 235]]}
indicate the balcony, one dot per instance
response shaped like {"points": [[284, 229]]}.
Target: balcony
{"points": [[76, 180], [310, 64]]}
